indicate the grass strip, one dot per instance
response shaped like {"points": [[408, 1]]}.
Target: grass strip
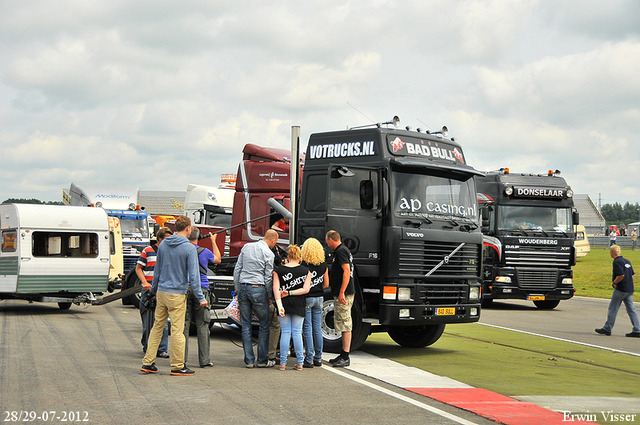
{"points": [[512, 363], [592, 274]]}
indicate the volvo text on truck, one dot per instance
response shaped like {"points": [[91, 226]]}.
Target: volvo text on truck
{"points": [[528, 225]]}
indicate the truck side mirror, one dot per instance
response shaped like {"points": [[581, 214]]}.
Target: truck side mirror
{"points": [[385, 192], [366, 194], [484, 214], [197, 217], [576, 217]]}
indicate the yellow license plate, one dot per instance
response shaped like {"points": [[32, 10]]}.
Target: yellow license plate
{"points": [[535, 297], [445, 311]]}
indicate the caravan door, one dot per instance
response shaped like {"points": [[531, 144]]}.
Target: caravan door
{"points": [[9, 261]]}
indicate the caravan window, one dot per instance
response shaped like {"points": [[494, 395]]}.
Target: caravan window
{"points": [[59, 244], [112, 243], [9, 241]]}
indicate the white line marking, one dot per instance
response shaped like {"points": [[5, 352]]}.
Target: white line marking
{"points": [[406, 399], [563, 340]]}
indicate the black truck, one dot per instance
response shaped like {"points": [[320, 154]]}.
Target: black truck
{"points": [[404, 203], [527, 223]]}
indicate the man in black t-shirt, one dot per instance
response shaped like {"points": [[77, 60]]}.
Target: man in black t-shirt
{"points": [[343, 290]]}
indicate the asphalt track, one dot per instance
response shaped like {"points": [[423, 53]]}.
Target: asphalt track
{"points": [[87, 361]]}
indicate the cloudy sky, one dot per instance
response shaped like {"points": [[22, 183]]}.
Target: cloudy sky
{"points": [[161, 94]]}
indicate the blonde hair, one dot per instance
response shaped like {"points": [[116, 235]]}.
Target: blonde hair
{"points": [[312, 252], [294, 253], [615, 249]]}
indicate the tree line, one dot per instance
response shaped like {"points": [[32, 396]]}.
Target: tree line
{"points": [[618, 214], [30, 201]]}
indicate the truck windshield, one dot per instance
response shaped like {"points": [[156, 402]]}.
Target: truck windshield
{"points": [[134, 228], [529, 218], [434, 197]]}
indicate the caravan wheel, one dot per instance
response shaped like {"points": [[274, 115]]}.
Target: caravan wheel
{"points": [[64, 306]]}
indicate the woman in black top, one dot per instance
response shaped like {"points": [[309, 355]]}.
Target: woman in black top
{"points": [[313, 257], [290, 284]]}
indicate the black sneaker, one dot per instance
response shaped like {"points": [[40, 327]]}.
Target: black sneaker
{"points": [[307, 365], [317, 363], [149, 368], [163, 354], [341, 362], [332, 361], [602, 331], [185, 371], [633, 334]]}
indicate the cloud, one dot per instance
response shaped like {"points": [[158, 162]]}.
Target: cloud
{"points": [[569, 90], [166, 94]]}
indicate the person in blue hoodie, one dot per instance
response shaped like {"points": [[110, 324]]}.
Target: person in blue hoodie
{"points": [[176, 268]]}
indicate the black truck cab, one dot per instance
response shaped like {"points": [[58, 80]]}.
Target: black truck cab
{"points": [[404, 203], [527, 222]]}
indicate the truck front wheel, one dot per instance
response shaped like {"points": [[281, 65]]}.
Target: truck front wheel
{"points": [[547, 304], [332, 340], [416, 336], [130, 281]]}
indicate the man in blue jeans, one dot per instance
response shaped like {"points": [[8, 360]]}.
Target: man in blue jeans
{"points": [[252, 277], [623, 275]]}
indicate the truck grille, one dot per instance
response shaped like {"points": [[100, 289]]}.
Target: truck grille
{"points": [[537, 256], [442, 295], [537, 279], [417, 258], [129, 262]]}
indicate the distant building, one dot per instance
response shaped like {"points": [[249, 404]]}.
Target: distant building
{"points": [[162, 202], [590, 217]]}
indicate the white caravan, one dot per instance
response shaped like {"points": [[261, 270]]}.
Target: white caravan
{"points": [[53, 253]]}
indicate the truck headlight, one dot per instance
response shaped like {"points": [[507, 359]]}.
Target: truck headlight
{"points": [[503, 279], [474, 293], [404, 313], [473, 311], [567, 280], [404, 294]]}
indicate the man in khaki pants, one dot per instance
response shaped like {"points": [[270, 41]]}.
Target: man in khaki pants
{"points": [[176, 269]]}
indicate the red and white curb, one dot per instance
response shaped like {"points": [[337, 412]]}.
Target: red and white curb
{"points": [[485, 403]]}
